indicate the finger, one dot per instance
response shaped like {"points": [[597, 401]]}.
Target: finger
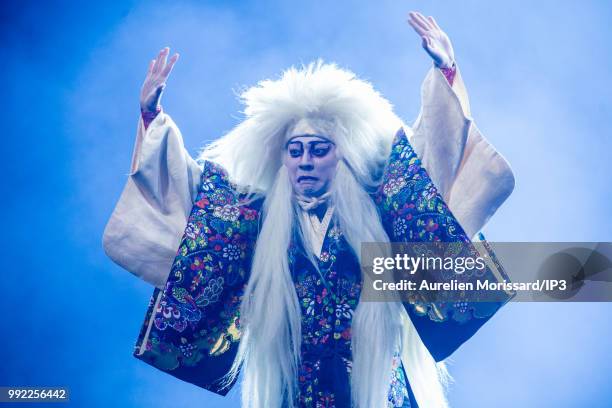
{"points": [[168, 68], [419, 15], [417, 28], [150, 69], [417, 23], [421, 20], [413, 16], [155, 96], [433, 22], [164, 59], [427, 43], [156, 63], [424, 42], [161, 60]]}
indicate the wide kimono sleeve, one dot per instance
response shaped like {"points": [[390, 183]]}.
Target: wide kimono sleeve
{"points": [[413, 210], [146, 226], [472, 177], [191, 329]]}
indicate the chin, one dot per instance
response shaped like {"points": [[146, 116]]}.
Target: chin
{"points": [[311, 191]]}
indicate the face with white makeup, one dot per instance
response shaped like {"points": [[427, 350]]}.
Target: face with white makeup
{"points": [[310, 159]]}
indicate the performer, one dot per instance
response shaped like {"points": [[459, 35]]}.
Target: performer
{"points": [[269, 221]]}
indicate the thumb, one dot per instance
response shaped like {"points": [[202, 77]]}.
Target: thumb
{"points": [[160, 89], [157, 93], [425, 43]]}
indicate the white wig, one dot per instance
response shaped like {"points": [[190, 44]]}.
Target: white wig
{"points": [[362, 125], [363, 121]]}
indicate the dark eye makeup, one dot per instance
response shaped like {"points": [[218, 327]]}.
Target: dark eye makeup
{"points": [[319, 151], [294, 152], [317, 148], [295, 149]]}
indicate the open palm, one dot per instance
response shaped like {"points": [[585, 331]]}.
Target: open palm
{"points": [[155, 81], [435, 41]]}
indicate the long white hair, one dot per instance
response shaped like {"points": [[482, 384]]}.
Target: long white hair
{"points": [[363, 126]]}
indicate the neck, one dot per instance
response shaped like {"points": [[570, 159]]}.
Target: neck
{"points": [[320, 211]]}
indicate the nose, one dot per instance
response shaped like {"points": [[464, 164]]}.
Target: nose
{"points": [[306, 162]]}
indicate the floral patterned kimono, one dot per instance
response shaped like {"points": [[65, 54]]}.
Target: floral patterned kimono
{"points": [[192, 326]]}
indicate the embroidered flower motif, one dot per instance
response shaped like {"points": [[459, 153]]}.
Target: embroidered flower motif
{"points": [[413, 168], [175, 315], [334, 232], [310, 309], [394, 185], [197, 264], [217, 242], [228, 212], [249, 214], [211, 292], [202, 203], [399, 227], [192, 231], [395, 168], [187, 349], [324, 257], [207, 185], [326, 399], [406, 152], [430, 191], [231, 252], [346, 333], [462, 307], [431, 225], [222, 196], [344, 310]]}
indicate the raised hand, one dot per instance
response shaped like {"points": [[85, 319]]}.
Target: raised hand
{"points": [[155, 82], [434, 40]]}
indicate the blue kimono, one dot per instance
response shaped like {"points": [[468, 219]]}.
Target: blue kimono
{"points": [[192, 326]]}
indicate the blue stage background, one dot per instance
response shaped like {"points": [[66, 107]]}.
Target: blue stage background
{"points": [[538, 74]]}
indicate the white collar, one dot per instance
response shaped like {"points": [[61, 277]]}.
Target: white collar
{"points": [[316, 229]]}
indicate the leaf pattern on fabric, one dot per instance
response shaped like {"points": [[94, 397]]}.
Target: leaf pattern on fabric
{"points": [[412, 210], [328, 298], [192, 326], [194, 322]]}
